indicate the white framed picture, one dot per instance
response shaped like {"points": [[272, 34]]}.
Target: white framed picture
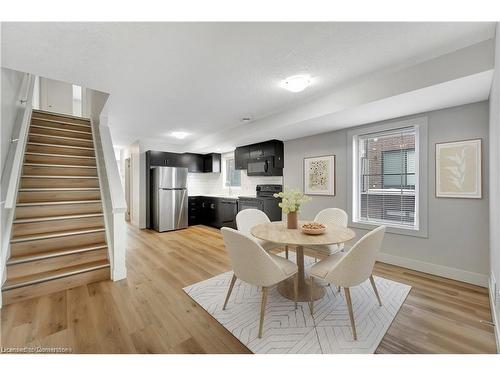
{"points": [[319, 175], [459, 169]]}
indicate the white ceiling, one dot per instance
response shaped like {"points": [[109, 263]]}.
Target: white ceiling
{"points": [[204, 77]]}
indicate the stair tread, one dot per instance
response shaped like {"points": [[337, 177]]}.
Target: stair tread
{"points": [[54, 253], [58, 114], [62, 233], [55, 203], [62, 137], [60, 121], [58, 189], [55, 145], [57, 217], [57, 176], [58, 129], [59, 155], [60, 165], [50, 275]]}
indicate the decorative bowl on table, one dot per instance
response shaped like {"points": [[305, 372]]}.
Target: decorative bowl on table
{"points": [[313, 228]]}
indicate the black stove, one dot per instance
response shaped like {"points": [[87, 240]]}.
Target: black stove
{"points": [[263, 201]]}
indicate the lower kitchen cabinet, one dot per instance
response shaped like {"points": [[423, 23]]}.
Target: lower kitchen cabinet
{"points": [[213, 211]]}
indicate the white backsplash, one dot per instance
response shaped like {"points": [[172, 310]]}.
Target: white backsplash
{"points": [[212, 184]]}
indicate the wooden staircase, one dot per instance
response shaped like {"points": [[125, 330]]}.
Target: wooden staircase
{"points": [[58, 234]]}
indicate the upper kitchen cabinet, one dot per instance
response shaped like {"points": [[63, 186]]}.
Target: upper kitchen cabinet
{"points": [[163, 159], [241, 156], [212, 163], [193, 162], [270, 151]]}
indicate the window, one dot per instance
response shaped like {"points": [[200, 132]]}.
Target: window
{"points": [[398, 168], [386, 178], [232, 175]]}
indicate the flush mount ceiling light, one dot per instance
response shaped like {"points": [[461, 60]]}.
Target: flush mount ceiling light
{"points": [[297, 83], [179, 135]]}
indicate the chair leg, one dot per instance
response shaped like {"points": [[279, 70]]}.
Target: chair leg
{"points": [[296, 288], [233, 280], [338, 289], [374, 286], [311, 301], [262, 310], [286, 251], [351, 315]]}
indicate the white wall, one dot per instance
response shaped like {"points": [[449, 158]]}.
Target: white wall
{"points": [[494, 156], [458, 235], [213, 183], [11, 86]]}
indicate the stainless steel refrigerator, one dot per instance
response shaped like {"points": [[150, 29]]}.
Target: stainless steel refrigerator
{"points": [[169, 198]]}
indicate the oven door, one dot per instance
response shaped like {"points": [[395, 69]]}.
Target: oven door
{"points": [[259, 166]]}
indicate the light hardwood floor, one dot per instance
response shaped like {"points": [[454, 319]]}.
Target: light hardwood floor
{"points": [[149, 313]]}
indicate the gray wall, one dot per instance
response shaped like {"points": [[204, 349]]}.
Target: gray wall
{"points": [[458, 228], [495, 178]]}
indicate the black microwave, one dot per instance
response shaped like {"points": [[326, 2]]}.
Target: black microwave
{"points": [[263, 166]]}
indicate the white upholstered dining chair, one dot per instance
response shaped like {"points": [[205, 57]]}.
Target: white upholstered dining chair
{"points": [[329, 217], [250, 217], [350, 268], [252, 264]]}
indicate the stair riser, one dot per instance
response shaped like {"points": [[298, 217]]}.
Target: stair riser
{"points": [[42, 227], [42, 159], [58, 171], [56, 263], [53, 244], [25, 212], [57, 125], [60, 132], [59, 150], [59, 141], [53, 196], [36, 290], [28, 182], [53, 117]]}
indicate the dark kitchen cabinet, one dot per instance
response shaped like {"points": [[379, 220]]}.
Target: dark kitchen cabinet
{"points": [[212, 163], [241, 156], [164, 159], [271, 150], [213, 211], [193, 162], [194, 211]]}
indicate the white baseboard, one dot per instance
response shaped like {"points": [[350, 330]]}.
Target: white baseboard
{"points": [[435, 269], [494, 316]]}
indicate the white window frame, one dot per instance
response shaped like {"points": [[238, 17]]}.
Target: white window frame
{"points": [[224, 174], [421, 185]]}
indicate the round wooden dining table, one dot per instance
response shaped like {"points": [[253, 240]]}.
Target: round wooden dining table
{"points": [[278, 232]]}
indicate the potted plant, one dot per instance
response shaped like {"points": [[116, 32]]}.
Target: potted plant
{"points": [[290, 205]]}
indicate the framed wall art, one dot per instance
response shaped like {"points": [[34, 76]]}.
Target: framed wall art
{"points": [[319, 175], [459, 169]]}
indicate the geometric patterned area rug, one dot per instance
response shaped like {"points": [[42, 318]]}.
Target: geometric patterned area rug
{"points": [[287, 330]]}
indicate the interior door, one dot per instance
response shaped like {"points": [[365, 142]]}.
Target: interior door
{"points": [[127, 188], [56, 96]]}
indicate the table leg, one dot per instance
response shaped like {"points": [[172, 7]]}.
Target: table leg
{"points": [[286, 287]]}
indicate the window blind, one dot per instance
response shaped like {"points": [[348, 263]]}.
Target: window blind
{"points": [[387, 175]]}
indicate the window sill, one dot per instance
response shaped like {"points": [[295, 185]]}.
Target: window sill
{"points": [[390, 229]]}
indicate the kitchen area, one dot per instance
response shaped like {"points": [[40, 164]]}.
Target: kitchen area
{"points": [[184, 189]]}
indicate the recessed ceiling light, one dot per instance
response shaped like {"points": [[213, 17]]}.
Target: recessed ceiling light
{"points": [[179, 135], [297, 83]]}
